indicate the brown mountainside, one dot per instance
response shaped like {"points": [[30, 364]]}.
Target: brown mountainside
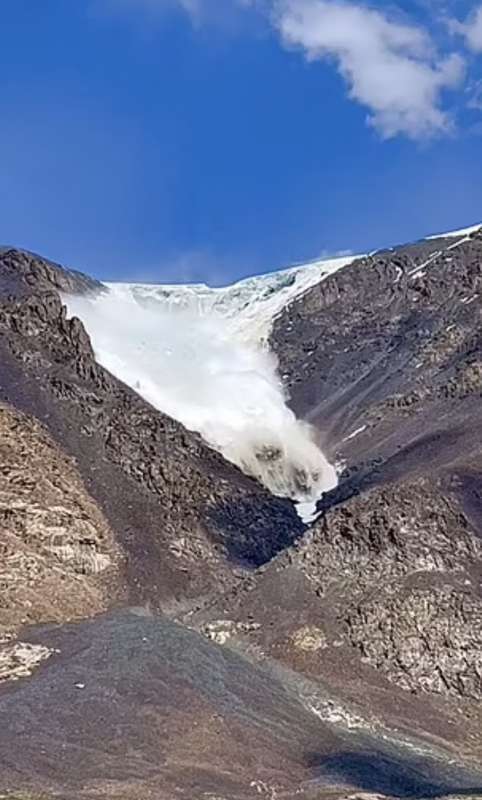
{"points": [[342, 661]]}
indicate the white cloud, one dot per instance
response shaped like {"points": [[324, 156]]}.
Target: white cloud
{"points": [[471, 30], [390, 67]]}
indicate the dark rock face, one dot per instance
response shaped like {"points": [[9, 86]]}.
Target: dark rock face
{"points": [[21, 271], [24, 272], [426, 638], [384, 535], [402, 569], [390, 338]]}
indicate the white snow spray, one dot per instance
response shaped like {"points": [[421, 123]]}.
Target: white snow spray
{"points": [[190, 363]]}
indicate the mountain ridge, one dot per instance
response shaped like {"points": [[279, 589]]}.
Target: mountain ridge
{"points": [[370, 618]]}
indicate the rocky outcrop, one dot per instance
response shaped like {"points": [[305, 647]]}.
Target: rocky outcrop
{"points": [[59, 559], [424, 639], [383, 535], [390, 577], [390, 336], [24, 272], [401, 568]]}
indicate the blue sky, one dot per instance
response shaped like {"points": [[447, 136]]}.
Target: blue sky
{"points": [[204, 140]]}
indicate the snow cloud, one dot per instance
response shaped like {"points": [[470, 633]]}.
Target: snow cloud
{"points": [[389, 66]]}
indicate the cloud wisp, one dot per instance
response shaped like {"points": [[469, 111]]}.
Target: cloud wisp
{"points": [[471, 30], [390, 67], [389, 62]]}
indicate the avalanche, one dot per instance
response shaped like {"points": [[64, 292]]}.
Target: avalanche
{"points": [[200, 355]]}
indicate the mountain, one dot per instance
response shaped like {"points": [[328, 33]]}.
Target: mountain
{"points": [[201, 356], [169, 626]]}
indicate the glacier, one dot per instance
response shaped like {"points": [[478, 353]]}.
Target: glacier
{"points": [[200, 354], [248, 306]]}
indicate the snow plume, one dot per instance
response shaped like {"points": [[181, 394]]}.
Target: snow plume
{"points": [[197, 370]]}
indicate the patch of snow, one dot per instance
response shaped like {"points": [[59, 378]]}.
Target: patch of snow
{"points": [[418, 271], [307, 510], [20, 659], [333, 713], [461, 232], [355, 433]]}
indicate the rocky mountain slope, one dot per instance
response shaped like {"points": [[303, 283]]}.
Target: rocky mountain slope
{"points": [[340, 659], [387, 361], [384, 358]]}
